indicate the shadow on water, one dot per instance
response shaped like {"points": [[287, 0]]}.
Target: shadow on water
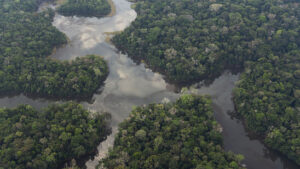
{"points": [[129, 84], [236, 138]]}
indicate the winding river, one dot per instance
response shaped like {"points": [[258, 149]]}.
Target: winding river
{"points": [[129, 84]]}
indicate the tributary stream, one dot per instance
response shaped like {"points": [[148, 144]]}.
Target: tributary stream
{"points": [[129, 84]]}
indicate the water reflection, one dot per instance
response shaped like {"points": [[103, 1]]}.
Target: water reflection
{"points": [[14, 101], [130, 85]]}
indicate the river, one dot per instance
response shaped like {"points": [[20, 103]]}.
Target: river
{"points": [[129, 84]]}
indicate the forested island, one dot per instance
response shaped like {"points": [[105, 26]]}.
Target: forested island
{"points": [[50, 138], [27, 39], [194, 40], [78, 79], [187, 41], [179, 135], [97, 8], [59, 134]]}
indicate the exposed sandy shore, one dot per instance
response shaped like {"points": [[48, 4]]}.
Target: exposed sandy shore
{"points": [[113, 8]]}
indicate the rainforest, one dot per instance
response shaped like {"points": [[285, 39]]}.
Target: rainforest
{"points": [[149, 84]]}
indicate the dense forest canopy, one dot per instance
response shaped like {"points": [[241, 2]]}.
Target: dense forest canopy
{"points": [[26, 34], [268, 97], [179, 135], [186, 40], [20, 5], [78, 79], [27, 38], [45, 139], [189, 40], [48, 139], [85, 8]]}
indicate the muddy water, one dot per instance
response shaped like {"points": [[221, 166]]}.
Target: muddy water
{"points": [[130, 85]]}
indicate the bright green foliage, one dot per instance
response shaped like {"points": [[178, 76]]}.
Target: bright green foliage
{"points": [[86, 8], [26, 39], [177, 135], [267, 98], [191, 40], [48, 139]]}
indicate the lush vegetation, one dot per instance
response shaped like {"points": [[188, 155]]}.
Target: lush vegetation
{"points": [[26, 39], [26, 34], [60, 133], [86, 8], [19, 5], [192, 40], [48, 139], [268, 97], [176, 135], [77, 79]]}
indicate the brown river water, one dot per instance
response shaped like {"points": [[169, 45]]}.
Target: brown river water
{"points": [[129, 84]]}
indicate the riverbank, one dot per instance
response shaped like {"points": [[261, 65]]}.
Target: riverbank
{"points": [[112, 7], [60, 2], [110, 2], [207, 78], [129, 84], [110, 35]]}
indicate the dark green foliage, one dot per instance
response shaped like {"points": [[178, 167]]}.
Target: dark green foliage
{"points": [[25, 34], [77, 79], [26, 39], [86, 8], [48, 139], [20, 5], [189, 40], [267, 98], [181, 135]]}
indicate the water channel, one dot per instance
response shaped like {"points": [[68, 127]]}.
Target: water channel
{"points": [[129, 84]]}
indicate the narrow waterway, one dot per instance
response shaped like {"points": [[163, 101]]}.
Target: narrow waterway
{"points": [[131, 85]]}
